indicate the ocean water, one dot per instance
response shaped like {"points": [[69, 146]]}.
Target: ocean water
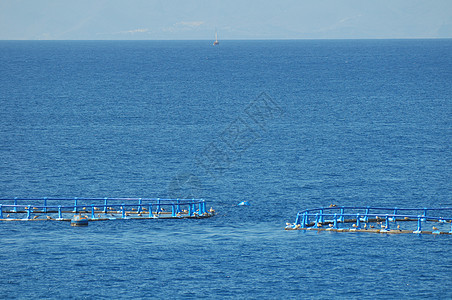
{"points": [[284, 125]]}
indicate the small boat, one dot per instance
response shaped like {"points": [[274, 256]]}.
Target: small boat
{"points": [[79, 220], [216, 40]]}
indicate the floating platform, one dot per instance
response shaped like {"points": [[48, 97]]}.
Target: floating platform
{"points": [[101, 209], [375, 220]]}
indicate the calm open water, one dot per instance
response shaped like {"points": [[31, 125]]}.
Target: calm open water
{"points": [[285, 125]]}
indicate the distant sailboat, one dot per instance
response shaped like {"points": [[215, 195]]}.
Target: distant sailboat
{"points": [[216, 40]]}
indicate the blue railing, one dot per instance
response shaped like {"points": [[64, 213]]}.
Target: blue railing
{"points": [[338, 217], [101, 208]]}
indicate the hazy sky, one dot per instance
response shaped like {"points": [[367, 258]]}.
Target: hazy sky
{"points": [[234, 19]]}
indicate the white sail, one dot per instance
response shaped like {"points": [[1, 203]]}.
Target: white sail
{"points": [[216, 39]]}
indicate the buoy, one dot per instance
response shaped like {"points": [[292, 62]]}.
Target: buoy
{"points": [[244, 203], [79, 220]]}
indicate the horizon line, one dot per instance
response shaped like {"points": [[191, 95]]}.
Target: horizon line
{"points": [[242, 39]]}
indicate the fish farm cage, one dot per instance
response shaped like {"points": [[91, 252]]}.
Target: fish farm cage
{"points": [[101, 209], [375, 219]]}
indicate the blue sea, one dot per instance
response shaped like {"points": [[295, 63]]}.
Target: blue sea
{"points": [[284, 125]]}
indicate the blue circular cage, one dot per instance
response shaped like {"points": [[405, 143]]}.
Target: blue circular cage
{"points": [[375, 219], [101, 209]]}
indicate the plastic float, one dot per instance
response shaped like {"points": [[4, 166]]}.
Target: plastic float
{"points": [[101, 209], [375, 220], [79, 221]]}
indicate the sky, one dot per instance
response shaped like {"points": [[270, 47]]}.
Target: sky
{"points": [[232, 19]]}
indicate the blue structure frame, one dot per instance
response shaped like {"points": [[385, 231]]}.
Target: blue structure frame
{"points": [[338, 218], [63, 209]]}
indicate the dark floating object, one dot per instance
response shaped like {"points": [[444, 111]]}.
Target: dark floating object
{"points": [[79, 221]]}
